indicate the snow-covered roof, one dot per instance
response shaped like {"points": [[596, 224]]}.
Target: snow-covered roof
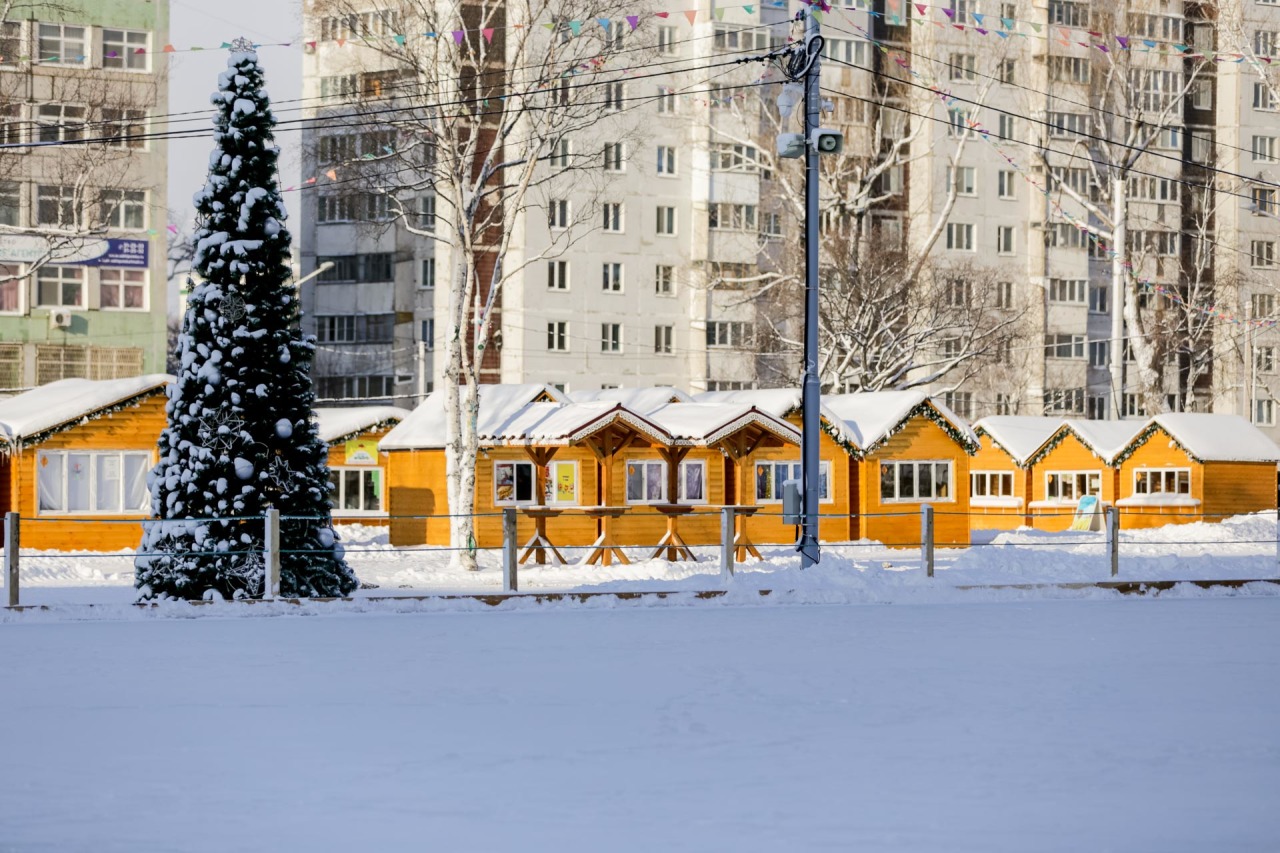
{"points": [[1018, 435], [706, 423], [1218, 438], [641, 400], [868, 418], [33, 415], [424, 428], [565, 423], [337, 423], [1105, 439], [778, 402]]}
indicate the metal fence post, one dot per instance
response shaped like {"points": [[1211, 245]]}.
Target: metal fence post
{"points": [[11, 556], [271, 542], [1113, 539], [509, 581], [926, 538], [727, 548]]}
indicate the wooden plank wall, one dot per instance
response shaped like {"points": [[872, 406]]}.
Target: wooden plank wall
{"points": [[991, 458], [134, 428], [337, 459], [921, 439], [1070, 455]]}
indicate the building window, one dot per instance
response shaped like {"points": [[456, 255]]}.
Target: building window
{"points": [[1262, 253], [771, 224], [124, 209], [560, 154], [336, 329], [427, 213], [1099, 298], [1264, 359], [122, 289], [1131, 406], [60, 287], [1004, 294], [646, 481], [964, 179], [513, 483], [1262, 305], [340, 388], [664, 280], [1099, 353], [958, 292], [615, 157], [61, 44], [97, 482], [1064, 401], [915, 481], [1154, 481], [960, 402], [728, 333], [963, 66], [10, 203], [1064, 346], [666, 100], [60, 122], [1264, 149], [1070, 486], [612, 216], [558, 336], [124, 49], [614, 96], [611, 337], [1004, 404], [663, 337], [731, 217], [667, 40], [734, 157], [1263, 200], [960, 236], [428, 333], [1068, 291], [666, 160], [123, 127], [356, 490], [770, 477], [1067, 13], [1096, 407], [557, 275], [1263, 98], [612, 277], [377, 266], [666, 221], [1063, 125], [11, 43], [1006, 184], [427, 273], [1004, 240], [1264, 412], [1069, 69], [11, 290], [991, 484]]}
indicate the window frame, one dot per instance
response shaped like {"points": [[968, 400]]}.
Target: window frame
{"points": [[93, 471], [1089, 476], [825, 477], [985, 477], [1143, 477], [104, 273], [896, 464], [338, 492], [127, 55]]}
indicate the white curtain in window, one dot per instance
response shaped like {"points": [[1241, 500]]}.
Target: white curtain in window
{"points": [[693, 482], [49, 482], [79, 481], [106, 496], [136, 496]]}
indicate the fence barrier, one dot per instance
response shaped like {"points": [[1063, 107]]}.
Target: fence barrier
{"points": [[733, 548]]}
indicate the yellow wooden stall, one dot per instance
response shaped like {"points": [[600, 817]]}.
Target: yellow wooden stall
{"points": [[78, 451], [914, 451], [357, 468], [999, 480], [1186, 466], [1078, 459]]}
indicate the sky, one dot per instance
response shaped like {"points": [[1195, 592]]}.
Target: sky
{"points": [[194, 76]]}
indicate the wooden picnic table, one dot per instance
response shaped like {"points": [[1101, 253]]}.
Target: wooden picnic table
{"points": [[538, 546], [671, 541], [604, 549], [742, 545]]}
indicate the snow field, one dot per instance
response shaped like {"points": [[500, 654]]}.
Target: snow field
{"points": [[1131, 724]]}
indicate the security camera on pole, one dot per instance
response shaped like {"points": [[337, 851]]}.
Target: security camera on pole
{"points": [[803, 67]]}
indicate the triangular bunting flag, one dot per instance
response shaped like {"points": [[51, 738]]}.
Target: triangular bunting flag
{"points": [[1123, 41], [168, 48], [399, 39], [692, 15], [332, 174], [603, 22], [341, 42], [549, 27], [1008, 23], [949, 13], [487, 32], [457, 36], [225, 45], [634, 21], [977, 18], [720, 13], [750, 10], [661, 14], [1035, 26], [920, 7], [309, 181], [576, 27]]}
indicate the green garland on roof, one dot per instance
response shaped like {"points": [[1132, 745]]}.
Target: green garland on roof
{"points": [[390, 422], [981, 431], [1061, 436], [23, 442], [843, 443], [926, 408], [1143, 437]]}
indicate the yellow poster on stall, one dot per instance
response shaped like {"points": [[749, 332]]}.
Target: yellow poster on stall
{"points": [[566, 475], [361, 452]]}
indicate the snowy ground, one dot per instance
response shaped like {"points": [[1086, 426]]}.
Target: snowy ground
{"points": [[1121, 724], [1242, 547]]}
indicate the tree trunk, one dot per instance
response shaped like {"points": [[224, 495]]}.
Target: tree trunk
{"points": [[1119, 291], [461, 412]]}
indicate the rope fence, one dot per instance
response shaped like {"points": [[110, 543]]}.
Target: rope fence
{"points": [[514, 547]]}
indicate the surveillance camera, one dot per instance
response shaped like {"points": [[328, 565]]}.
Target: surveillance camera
{"points": [[828, 141], [791, 145]]}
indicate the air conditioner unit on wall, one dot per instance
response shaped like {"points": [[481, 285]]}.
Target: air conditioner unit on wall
{"points": [[59, 318]]}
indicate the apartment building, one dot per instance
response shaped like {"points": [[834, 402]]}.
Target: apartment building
{"points": [[635, 269], [82, 191]]}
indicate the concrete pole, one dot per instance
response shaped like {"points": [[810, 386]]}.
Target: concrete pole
{"points": [[1113, 539], [926, 538], [271, 544], [510, 583], [726, 542], [11, 556], [810, 552]]}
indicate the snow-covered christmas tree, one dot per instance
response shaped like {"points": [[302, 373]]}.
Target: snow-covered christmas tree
{"points": [[241, 436]]}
